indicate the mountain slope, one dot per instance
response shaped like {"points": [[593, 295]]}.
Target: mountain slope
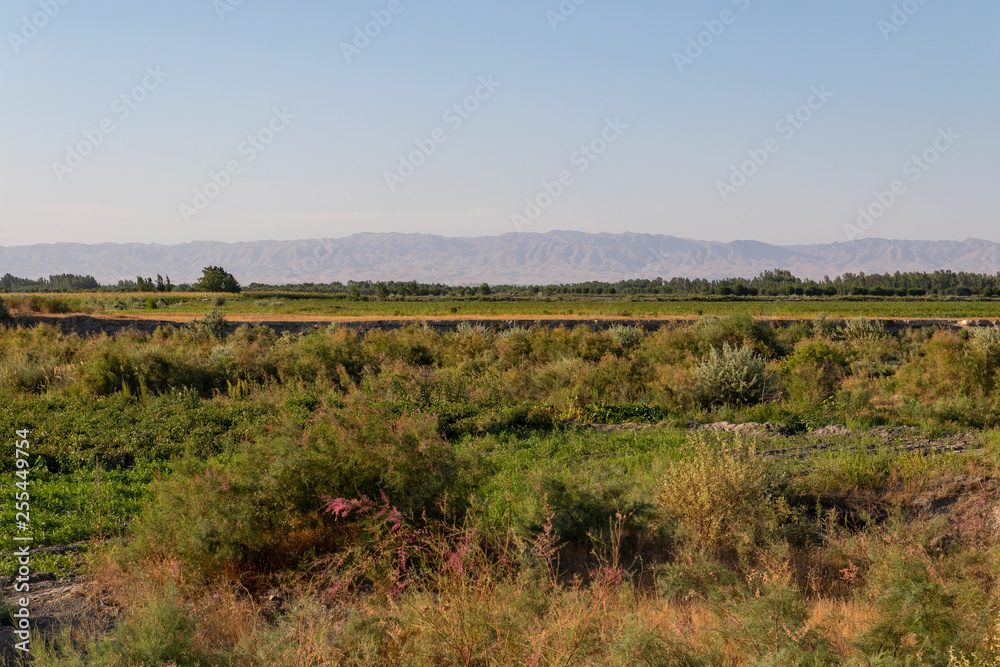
{"points": [[553, 257]]}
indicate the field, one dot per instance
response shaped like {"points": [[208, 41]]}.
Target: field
{"points": [[306, 306], [719, 491]]}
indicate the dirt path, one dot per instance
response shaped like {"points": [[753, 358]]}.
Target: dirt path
{"points": [[53, 604]]}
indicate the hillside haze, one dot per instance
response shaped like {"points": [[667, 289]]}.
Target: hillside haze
{"points": [[549, 258]]}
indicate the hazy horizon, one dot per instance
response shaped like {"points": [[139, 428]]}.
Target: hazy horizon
{"points": [[732, 120], [873, 239]]}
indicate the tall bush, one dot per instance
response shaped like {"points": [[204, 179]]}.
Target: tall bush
{"points": [[732, 376], [724, 495], [267, 503]]}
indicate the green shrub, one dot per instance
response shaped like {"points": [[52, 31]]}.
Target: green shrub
{"points": [[824, 327], [530, 416], [469, 329], [159, 633], [725, 495], [711, 332], [605, 413], [732, 376], [578, 510], [23, 371], [768, 622], [987, 340], [853, 470], [859, 331], [946, 367], [412, 345], [918, 619], [813, 372], [264, 504], [212, 325], [626, 337], [322, 356], [139, 367], [362, 449], [967, 411], [986, 337]]}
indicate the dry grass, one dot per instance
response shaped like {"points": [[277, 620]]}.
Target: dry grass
{"points": [[843, 621]]}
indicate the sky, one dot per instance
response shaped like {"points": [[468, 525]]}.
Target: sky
{"points": [[788, 122]]}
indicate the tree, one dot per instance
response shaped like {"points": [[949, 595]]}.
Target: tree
{"points": [[217, 279]]}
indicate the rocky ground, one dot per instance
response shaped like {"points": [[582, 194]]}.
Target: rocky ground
{"points": [[54, 602]]}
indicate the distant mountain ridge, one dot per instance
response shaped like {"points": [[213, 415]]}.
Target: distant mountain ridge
{"points": [[522, 258]]}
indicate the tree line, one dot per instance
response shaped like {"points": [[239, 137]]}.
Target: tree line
{"points": [[214, 279], [767, 284]]}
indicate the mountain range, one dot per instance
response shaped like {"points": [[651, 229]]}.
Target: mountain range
{"points": [[521, 258]]}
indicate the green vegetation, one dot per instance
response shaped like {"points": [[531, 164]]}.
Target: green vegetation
{"points": [[217, 279], [336, 306], [61, 283], [771, 284], [519, 496], [768, 283]]}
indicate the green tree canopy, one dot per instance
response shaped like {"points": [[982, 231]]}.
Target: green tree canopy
{"points": [[217, 279]]}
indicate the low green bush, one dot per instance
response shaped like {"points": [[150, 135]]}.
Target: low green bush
{"points": [[578, 510], [159, 633], [712, 332], [265, 503], [732, 376], [859, 331], [813, 372], [212, 325], [626, 337], [918, 617]]}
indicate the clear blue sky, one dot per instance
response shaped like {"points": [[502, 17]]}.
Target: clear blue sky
{"points": [[610, 68]]}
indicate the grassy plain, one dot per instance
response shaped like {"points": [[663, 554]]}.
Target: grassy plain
{"points": [[530, 496], [299, 305]]}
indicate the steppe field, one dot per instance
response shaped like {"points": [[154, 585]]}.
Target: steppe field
{"points": [[537, 481]]}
